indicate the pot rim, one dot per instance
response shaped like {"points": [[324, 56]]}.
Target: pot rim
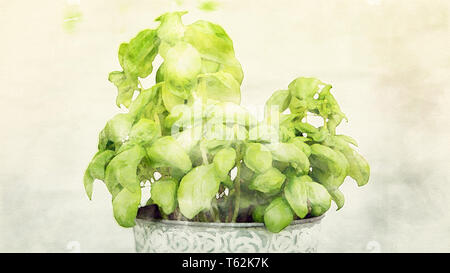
{"points": [[148, 221]]}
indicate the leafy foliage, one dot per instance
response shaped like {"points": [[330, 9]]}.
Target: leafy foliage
{"points": [[207, 157]]}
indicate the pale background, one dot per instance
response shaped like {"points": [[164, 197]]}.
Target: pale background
{"points": [[388, 61]]}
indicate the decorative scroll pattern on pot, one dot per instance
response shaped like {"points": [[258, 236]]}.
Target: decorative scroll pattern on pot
{"points": [[162, 237]]}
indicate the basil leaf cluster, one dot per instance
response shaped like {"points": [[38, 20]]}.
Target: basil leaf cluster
{"points": [[206, 157]]}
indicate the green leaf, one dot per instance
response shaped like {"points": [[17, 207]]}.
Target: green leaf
{"points": [[189, 138], [181, 67], [209, 66], [305, 88], [122, 170], [279, 101], [246, 173], [184, 116], [220, 86], [116, 131], [227, 182], [329, 168], [144, 132], [196, 190], [126, 86], [347, 139], [225, 134], [318, 198], [329, 108], [125, 207], [316, 134], [264, 133], [229, 113], [258, 213], [167, 152], [96, 169], [171, 29], [268, 182], [137, 56], [278, 215], [359, 168], [211, 41], [257, 157], [147, 103], [164, 194], [338, 197], [299, 142], [160, 74], [296, 193], [291, 153], [234, 68], [224, 161], [170, 100]]}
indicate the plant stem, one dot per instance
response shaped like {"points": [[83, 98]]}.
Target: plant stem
{"points": [[237, 186], [215, 212], [202, 217]]}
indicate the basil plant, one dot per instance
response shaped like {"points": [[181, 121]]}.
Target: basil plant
{"points": [[205, 156]]}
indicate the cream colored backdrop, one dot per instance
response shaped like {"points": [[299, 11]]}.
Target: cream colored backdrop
{"points": [[388, 61]]}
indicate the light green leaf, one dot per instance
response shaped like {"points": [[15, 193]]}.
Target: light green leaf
{"points": [[171, 29], [234, 68], [305, 88], [359, 168], [211, 41], [122, 170], [144, 132], [125, 207], [170, 100], [167, 152], [220, 86], [189, 138], [160, 74], [184, 116], [279, 101], [258, 213], [116, 131], [224, 161], [338, 197], [296, 193], [329, 168], [209, 66], [147, 103], [278, 215], [126, 86], [257, 157], [264, 133], [329, 108], [299, 142], [227, 182], [224, 133], [96, 169], [181, 67], [137, 56], [317, 134], [268, 182], [229, 113], [318, 197], [196, 190], [164, 194], [291, 153], [347, 139]]}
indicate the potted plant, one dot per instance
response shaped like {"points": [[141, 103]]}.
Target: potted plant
{"points": [[220, 179]]}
